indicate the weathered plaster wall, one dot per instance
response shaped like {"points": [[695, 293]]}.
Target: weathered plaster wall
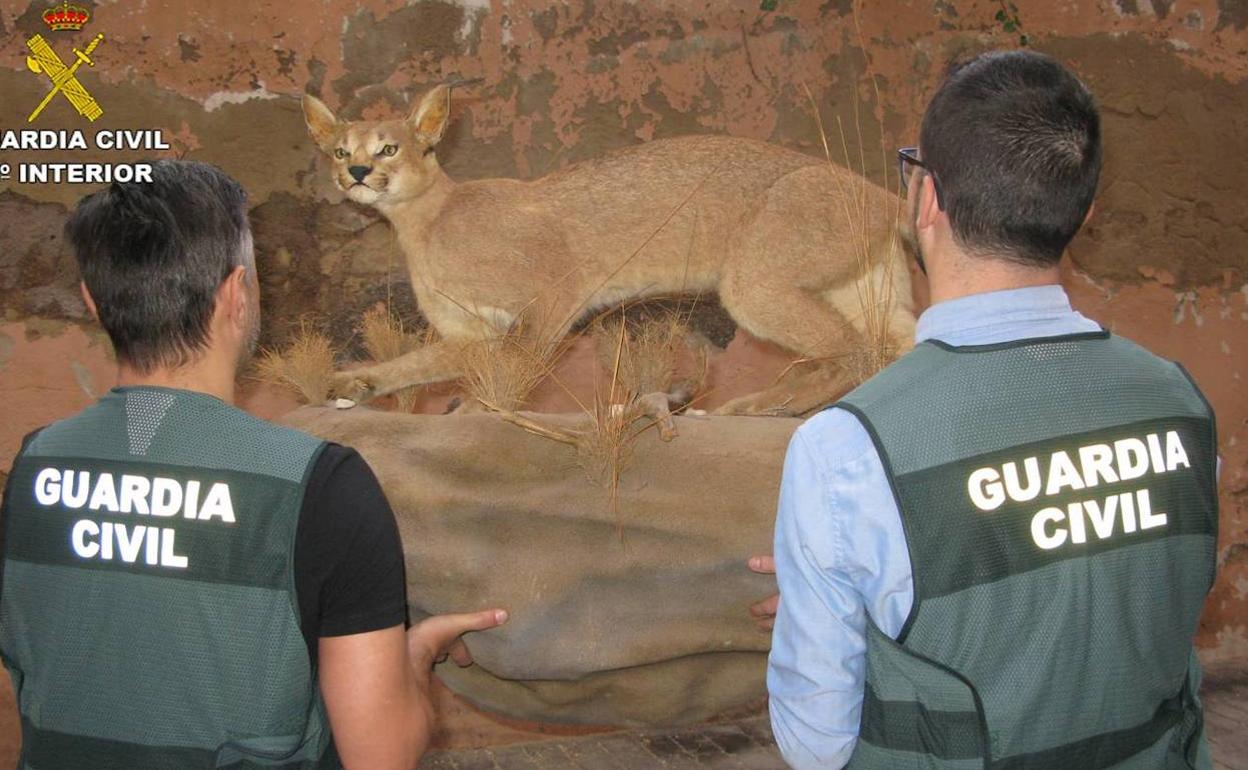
{"points": [[1164, 261]]}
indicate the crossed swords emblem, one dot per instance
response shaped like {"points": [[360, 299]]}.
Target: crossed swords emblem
{"points": [[46, 61]]}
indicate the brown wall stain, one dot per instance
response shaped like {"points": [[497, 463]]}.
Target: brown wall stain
{"points": [[1164, 260]]}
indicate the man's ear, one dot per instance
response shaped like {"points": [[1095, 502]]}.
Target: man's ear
{"points": [[89, 301], [432, 113], [322, 124], [233, 296], [929, 204]]}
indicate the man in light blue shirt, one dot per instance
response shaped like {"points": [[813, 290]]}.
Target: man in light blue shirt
{"points": [[980, 215], [840, 549]]}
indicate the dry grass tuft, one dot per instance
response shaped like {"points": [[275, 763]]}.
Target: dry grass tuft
{"points": [[647, 350], [304, 367], [501, 371], [385, 335], [386, 338], [604, 446]]}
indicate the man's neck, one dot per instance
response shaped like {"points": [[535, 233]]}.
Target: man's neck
{"points": [[197, 376], [964, 275]]}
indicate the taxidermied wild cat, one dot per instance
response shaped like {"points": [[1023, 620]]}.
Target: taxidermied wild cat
{"points": [[780, 236]]}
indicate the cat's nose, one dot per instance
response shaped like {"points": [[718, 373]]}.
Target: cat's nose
{"points": [[359, 172]]}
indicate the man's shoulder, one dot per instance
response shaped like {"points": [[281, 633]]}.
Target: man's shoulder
{"points": [[834, 422], [274, 432], [336, 461], [30, 437], [834, 436], [1131, 347], [70, 429], [257, 444]]}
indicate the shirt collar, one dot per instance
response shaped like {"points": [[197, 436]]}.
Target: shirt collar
{"points": [[993, 308]]}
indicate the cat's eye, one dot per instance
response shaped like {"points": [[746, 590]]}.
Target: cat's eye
{"points": [[340, 153], [389, 150]]}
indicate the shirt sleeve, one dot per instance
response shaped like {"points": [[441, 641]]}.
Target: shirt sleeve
{"points": [[840, 554], [349, 568]]}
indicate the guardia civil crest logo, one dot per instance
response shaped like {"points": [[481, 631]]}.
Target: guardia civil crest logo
{"points": [[43, 60]]}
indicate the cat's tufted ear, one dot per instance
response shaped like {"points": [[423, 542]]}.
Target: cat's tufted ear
{"points": [[322, 124], [431, 115]]}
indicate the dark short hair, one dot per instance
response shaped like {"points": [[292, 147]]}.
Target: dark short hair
{"points": [[1015, 141], [153, 255]]}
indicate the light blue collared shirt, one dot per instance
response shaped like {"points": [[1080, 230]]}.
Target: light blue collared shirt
{"points": [[840, 549]]}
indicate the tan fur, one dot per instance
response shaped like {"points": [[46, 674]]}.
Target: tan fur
{"points": [[780, 236]]}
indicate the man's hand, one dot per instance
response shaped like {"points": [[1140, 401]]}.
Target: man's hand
{"points": [[764, 612], [432, 639], [376, 687]]}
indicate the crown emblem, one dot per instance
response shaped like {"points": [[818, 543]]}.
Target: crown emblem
{"points": [[66, 16]]}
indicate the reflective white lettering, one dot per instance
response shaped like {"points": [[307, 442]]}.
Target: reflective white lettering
{"points": [[1102, 520], [1148, 519], [151, 549], [218, 504], [1062, 473], [167, 557], [192, 500], [1132, 457], [1015, 490], [1098, 464], [134, 492], [106, 541], [78, 538], [984, 487], [1176, 456], [157, 496], [1154, 453], [105, 495], [166, 497], [48, 486], [1127, 504], [1040, 534], [1074, 516], [75, 496], [1085, 468], [129, 542]]}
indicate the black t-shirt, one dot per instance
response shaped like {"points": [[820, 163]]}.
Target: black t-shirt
{"points": [[349, 575], [349, 572]]}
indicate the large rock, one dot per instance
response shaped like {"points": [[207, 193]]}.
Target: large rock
{"points": [[632, 615]]}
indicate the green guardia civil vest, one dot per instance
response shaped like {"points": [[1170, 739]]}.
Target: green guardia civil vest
{"points": [[1059, 505], [148, 614]]}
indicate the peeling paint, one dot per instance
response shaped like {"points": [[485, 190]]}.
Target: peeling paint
{"points": [[215, 101], [1187, 302], [1230, 644]]}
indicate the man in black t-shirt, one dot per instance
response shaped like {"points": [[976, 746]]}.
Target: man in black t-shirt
{"points": [[190, 545]]}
